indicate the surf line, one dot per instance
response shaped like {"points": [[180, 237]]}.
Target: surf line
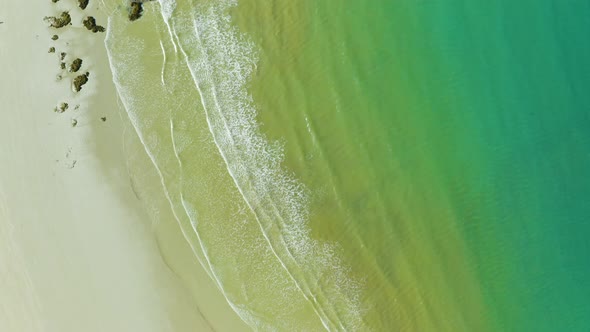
{"points": [[225, 135]]}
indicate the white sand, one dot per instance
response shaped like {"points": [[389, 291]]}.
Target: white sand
{"points": [[77, 252]]}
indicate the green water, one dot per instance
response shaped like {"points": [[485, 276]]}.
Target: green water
{"points": [[384, 165]]}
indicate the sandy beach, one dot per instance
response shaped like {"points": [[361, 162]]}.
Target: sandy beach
{"points": [[79, 250]]}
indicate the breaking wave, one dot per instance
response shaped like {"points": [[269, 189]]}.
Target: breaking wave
{"points": [[220, 61]]}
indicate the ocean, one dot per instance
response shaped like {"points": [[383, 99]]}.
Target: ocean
{"points": [[372, 165]]}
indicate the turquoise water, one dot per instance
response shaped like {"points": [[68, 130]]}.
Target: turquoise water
{"points": [[385, 165]]}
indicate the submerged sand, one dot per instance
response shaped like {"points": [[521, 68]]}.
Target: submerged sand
{"points": [[79, 251]]}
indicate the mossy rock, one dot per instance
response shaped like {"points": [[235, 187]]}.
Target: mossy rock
{"points": [[62, 56], [90, 24], [59, 22], [135, 10], [83, 3], [80, 80], [61, 108], [54, 37], [51, 50], [75, 66]]}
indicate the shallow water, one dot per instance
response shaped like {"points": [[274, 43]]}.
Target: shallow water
{"points": [[399, 165]]}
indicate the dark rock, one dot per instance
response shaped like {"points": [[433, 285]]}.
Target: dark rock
{"points": [[61, 108], [75, 66], [90, 24], [135, 11], [80, 80], [59, 22], [54, 37], [51, 50], [83, 3]]}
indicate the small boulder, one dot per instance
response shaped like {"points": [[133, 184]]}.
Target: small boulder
{"points": [[83, 4], [59, 22], [61, 108], [75, 66], [135, 10], [80, 80], [90, 24]]}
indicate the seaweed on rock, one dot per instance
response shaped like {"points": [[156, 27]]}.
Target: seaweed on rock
{"points": [[80, 80], [90, 24], [59, 22], [135, 10], [61, 108], [75, 66], [83, 3]]}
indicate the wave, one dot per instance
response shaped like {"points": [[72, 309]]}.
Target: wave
{"points": [[221, 60], [221, 71]]}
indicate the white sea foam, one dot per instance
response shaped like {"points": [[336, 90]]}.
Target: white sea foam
{"points": [[134, 92], [127, 98], [222, 60], [167, 7]]}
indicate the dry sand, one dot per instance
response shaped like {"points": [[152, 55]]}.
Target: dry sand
{"points": [[78, 251]]}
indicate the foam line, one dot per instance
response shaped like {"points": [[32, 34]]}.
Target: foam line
{"points": [[253, 163], [223, 65], [134, 121]]}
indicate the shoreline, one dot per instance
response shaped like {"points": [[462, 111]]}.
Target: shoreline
{"points": [[70, 218]]}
